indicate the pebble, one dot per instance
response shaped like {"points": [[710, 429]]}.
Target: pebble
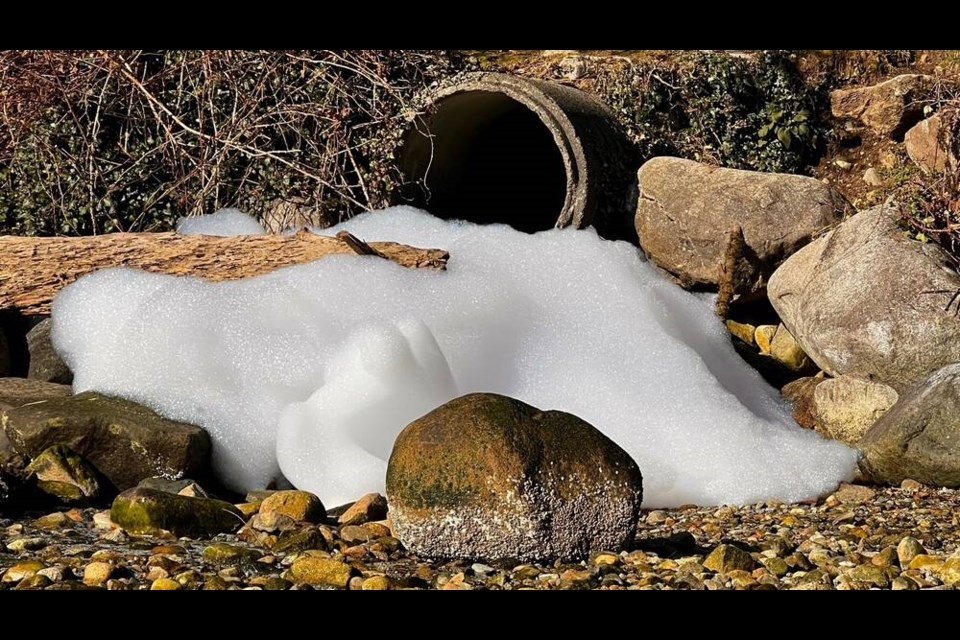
{"points": [[22, 570], [908, 549], [300, 506], [227, 554], [26, 544], [165, 584], [316, 571], [370, 508], [727, 558], [97, 573], [376, 583]]}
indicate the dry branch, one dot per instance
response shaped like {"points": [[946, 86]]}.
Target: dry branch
{"points": [[34, 270]]}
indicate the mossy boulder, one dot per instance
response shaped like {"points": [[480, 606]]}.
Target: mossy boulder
{"points": [[147, 512], [123, 440], [64, 474], [487, 477]]}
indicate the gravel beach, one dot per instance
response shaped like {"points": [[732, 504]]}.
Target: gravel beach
{"points": [[860, 538]]}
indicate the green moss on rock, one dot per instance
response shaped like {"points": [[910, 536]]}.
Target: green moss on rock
{"points": [[146, 512], [65, 475]]}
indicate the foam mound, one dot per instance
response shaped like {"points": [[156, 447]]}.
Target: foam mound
{"points": [[224, 223], [314, 370]]}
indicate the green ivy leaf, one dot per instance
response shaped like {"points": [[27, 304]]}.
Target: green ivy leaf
{"points": [[785, 138]]}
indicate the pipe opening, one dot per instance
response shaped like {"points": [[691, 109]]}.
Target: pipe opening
{"points": [[492, 160]]}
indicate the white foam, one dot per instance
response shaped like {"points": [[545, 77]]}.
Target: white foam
{"points": [[320, 366], [223, 223]]}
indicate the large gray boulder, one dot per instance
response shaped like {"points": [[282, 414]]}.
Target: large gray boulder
{"points": [[919, 439], [489, 477], [888, 108], [123, 440], [867, 301], [687, 211]]}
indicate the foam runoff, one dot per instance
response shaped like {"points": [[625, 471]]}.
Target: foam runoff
{"points": [[314, 370], [224, 223]]}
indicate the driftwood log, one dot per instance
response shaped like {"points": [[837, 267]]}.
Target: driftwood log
{"points": [[34, 270]]}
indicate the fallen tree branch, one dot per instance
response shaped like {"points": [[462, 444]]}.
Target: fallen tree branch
{"points": [[34, 270]]}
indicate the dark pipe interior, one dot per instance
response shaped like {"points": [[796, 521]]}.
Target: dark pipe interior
{"points": [[493, 161]]}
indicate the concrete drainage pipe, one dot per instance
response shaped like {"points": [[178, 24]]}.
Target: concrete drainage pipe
{"points": [[532, 154]]}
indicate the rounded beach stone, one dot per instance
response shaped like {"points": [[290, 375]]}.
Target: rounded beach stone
{"points": [[487, 477]]}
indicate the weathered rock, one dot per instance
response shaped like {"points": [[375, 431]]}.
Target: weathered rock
{"points": [[124, 441], [300, 540], [871, 575], [687, 211], [801, 393], [873, 178], [950, 572], [847, 407], [864, 301], [908, 549], [33, 583], [911, 485], [227, 554], [369, 508], [96, 574], [56, 520], [354, 534], [376, 583], [65, 475], [744, 332], [22, 570], [903, 584], [931, 145], [145, 512], [299, 506], [487, 477], [320, 572], [764, 336], [785, 350], [187, 488], [918, 438], [727, 558], [852, 494], [889, 108], [273, 522], [46, 365], [16, 392], [165, 584]]}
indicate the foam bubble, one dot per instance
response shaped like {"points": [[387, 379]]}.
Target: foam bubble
{"points": [[315, 369]]}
